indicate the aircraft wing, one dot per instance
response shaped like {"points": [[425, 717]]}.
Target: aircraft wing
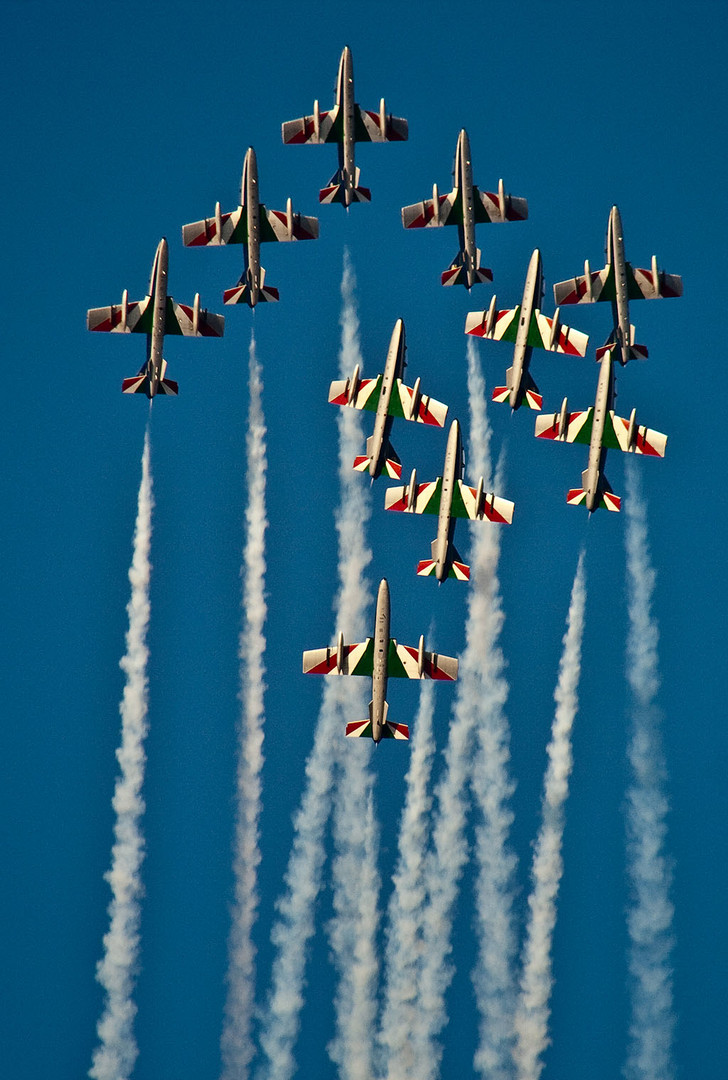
{"points": [[232, 230], [587, 289], [366, 396], [357, 659], [182, 319], [643, 441], [431, 213], [498, 207], [307, 130], [368, 127], [112, 320], [274, 226], [426, 499], [504, 327], [403, 663], [578, 426], [465, 505], [652, 284]]}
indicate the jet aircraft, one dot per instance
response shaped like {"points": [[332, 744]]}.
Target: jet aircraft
{"points": [[465, 206], [529, 329], [345, 124], [250, 225], [602, 429], [618, 282], [155, 316], [382, 658], [449, 498], [388, 396]]}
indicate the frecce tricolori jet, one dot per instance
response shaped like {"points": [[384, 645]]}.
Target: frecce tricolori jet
{"points": [[602, 429], [250, 225], [382, 658], [388, 397], [155, 316], [345, 124], [449, 498], [529, 329], [465, 206], [618, 282]]}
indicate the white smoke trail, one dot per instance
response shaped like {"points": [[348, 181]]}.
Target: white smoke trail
{"points": [[353, 929], [342, 699], [236, 1041], [533, 1011], [406, 912], [484, 691], [650, 914], [478, 726], [114, 1058]]}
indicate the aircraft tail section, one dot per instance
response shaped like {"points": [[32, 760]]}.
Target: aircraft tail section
{"points": [[529, 392], [634, 351], [607, 499], [340, 190], [392, 465], [458, 274], [246, 292], [457, 568], [144, 384]]}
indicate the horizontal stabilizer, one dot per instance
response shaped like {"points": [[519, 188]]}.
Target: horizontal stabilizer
{"points": [[243, 294], [340, 190], [363, 729], [142, 384]]}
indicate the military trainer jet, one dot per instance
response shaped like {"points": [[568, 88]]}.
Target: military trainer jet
{"points": [[602, 429], [388, 396], [382, 658], [155, 316], [250, 225], [449, 498], [529, 329], [345, 124], [465, 206], [618, 282]]}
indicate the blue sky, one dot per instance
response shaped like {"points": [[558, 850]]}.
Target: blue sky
{"points": [[123, 124]]}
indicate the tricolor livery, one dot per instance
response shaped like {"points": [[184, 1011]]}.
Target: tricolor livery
{"points": [[449, 498], [602, 429], [387, 396], [155, 316], [382, 658], [528, 329], [250, 225], [465, 206], [345, 124], [619, 283]]}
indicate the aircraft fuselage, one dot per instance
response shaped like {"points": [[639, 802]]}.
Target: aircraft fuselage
{"points": [[463, 177], [620, 305], [532, 295], [380, 662], [451, 473], [393, 370], [158, 292], [249, 198], [345, 102], [597, 454]]}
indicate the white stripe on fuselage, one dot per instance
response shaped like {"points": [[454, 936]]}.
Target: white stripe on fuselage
{"points": [[464, 182], [532, 293], [250, 200], [597, 453], [380, 662], [158, 292], [451, 473], [393, 369]]}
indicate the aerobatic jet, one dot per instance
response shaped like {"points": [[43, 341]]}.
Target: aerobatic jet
{"points": [[602, 429], [383, 658], [250, 225], [529, 329], [619, 283], [388, 396], [345, 124], [449, 498], [155, 316], [465, 206]]}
